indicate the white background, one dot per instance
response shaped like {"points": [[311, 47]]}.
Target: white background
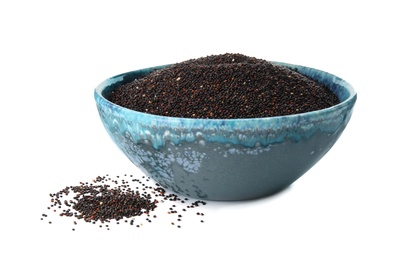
{"points": [[53, 55]]}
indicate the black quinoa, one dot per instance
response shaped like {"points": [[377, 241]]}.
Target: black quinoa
{"points": [[224, 87], [105, 200]]}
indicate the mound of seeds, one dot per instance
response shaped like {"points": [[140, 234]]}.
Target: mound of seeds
{"points": [[224, 87], [105, 200]]}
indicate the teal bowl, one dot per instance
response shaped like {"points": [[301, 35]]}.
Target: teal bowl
{"points": [[226, 159]]}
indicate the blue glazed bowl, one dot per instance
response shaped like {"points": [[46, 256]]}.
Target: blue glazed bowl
{"points": [[226, 159]]}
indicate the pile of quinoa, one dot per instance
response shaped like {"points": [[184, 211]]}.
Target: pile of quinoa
{"points": [[107, 201], [224, 86]]}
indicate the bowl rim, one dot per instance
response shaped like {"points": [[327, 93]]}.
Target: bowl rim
{"points": [[349, 101]]}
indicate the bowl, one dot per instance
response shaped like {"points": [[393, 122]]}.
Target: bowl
{"points": [[226, 159]]}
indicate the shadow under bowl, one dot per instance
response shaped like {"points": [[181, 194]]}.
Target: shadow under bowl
{"points": [[226, 159]]}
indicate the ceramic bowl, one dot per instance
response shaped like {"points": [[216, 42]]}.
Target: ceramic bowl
{"points": [[226, 159]]}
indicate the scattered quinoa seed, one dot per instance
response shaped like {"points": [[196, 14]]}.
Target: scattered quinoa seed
{"points": [[105, 201]]}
